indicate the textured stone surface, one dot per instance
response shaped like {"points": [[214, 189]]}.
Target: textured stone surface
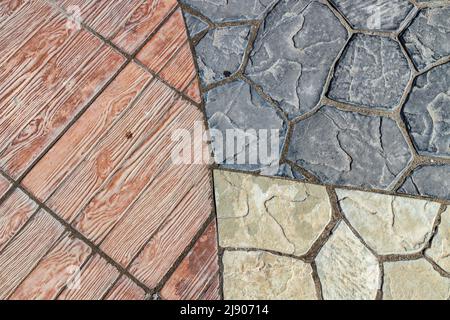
{"points": [[432, 181], [414, 280], [374, 14], [346, 268], [428, 37], [348, 148], [264, 276], [285, 60], [427, 112], [373, 72], [440, 247], [220, 52], [230, 10], [267, 213], [389, 225], [194, 24], [238, 108]]}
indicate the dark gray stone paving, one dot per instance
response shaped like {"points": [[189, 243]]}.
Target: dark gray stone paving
{"points": [[427, 112], [285, 60], [350, 149], [373, 72], [374, 14], [265, 64]]}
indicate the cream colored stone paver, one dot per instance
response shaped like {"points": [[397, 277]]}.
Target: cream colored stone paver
{"points": [[264, 276], [389, 224], [414, 280], [272, 214], [440, 247], [346, 268]]}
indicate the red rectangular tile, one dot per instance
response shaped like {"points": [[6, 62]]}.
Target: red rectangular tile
{"points": [[4, 186], [197, 277], [94, 281], [147, 166], [70, 150], [14, 213], [77, 88], [54, 272], [25, 251], [125, 289], [127, 135]]}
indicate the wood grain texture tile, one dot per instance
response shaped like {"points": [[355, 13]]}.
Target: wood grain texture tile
{"points": [[197, 277], [168, 53], [4, 186], [174, 234], [25, 251], [14, 213], [125, 289], [94, 281], [116, 146], [71, 149], [147, 167], [76, 89], [54, 271]]}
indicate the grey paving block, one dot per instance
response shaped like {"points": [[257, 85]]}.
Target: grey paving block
{"points": [[194, 24], [432, 181]]}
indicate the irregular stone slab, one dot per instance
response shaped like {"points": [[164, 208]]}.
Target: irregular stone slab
{"points": [[373, 73], [427, 112], [414, 280], [440, 247], [220, 52], [427, 39], [236, 109], [348, 148], [264, 276], [389, 225], [386, 15], [432, 181], [293, 53], [231, 10], [194, 24], [272, 214], [347, 269]]}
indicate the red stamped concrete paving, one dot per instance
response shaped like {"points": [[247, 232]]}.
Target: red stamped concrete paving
{"points": [[99, 210]]}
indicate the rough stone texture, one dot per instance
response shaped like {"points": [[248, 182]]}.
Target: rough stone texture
{"points": [[440, 247], [272, 214], [230, 10], [389, 225], [264, 276], [347, 269], [373, 72], [414, 280], [293, 53], [432, 181], [386, 15], [427, 39], [220, 52], [287, 171], [238, 108], [427, 112], [194, 24], [348, 148]]}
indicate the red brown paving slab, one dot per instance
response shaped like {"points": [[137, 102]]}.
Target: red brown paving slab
{"points": [[54, 271], [197, 277], [4, 186], [71, 149], [45, 126], [14, 213], [128, 134], [168, 53], [125, 289], [25, 251], [96, 277], [126, 23]]}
